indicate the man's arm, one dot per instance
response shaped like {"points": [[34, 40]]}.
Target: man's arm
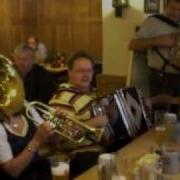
{"points": [[99, 121], [141, 44]]}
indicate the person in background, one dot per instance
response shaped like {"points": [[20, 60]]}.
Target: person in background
{"points": [[38, 83], [38, 48], [156, 37]]}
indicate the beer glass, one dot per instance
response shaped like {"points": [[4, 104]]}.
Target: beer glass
{"points": [[160, 132], [107, 167], [160, 135], [60, 171], [60, 167], [170, 159]]}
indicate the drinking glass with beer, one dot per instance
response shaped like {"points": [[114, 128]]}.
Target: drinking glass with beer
{"points": [[60, 166], [160, 135], [60, 171], [160, 128]]}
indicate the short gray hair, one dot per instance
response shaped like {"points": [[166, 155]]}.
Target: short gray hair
{"points": [[23, 49]]}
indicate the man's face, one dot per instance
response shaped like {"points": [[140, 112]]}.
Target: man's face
{"points": [[32, 42], [173, 10], [24, 62], [81, 74]]}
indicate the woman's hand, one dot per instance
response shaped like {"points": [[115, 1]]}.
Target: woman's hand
{"points": [[43, 132]]}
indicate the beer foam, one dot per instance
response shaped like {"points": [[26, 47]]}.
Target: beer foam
{"points": [[160, 128], [105, 156], [61, 169]]}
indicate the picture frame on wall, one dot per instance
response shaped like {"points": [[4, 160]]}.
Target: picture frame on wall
{"points": [[151, 6]]}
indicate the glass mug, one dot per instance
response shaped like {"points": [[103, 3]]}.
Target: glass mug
{"points": [[107, 167], [170, 159], [60, 171], [163, 122], [160, 135]]}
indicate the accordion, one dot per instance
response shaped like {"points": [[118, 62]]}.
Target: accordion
{"points": [[126, 113]]}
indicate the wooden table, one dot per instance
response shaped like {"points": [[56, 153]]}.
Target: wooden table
{"points": [[128, 155]]}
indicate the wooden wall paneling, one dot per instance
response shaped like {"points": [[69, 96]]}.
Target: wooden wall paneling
{"points": [[96, 28], [53, 24], [63, 38], [45, 33], [80, 36], [24, 14], [96, 39], [2, 10], [16, 24], [80, 25], [96, 9], [17, 36], [2, 26], [5, 34], [107, 84], [44, 23], [23, 20], [16, 12], [86, 26], [67, 25], [80, 10], [4, 45], [29, 13]]}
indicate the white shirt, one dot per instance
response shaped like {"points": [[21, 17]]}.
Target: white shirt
{"points": [[5, 149]]}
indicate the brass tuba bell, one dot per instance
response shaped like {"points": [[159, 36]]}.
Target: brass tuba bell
{"points": [[11, 86]]}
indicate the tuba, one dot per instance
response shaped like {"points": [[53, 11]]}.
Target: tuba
{"points": [[11, 86], [12, 98]]}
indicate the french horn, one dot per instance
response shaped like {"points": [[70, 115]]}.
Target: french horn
{"points": [[12, 98], [69, 128]]}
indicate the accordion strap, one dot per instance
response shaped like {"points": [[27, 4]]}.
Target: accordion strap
{"points": [[166, 20], [166, 62]]}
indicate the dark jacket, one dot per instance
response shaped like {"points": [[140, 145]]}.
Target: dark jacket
{"points": [[39, 84]]}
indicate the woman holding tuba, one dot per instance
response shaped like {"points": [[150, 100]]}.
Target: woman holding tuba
{"points": [[19, 140]]}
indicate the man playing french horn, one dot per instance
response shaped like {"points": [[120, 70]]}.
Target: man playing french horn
{"points": [[74, 99]]}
